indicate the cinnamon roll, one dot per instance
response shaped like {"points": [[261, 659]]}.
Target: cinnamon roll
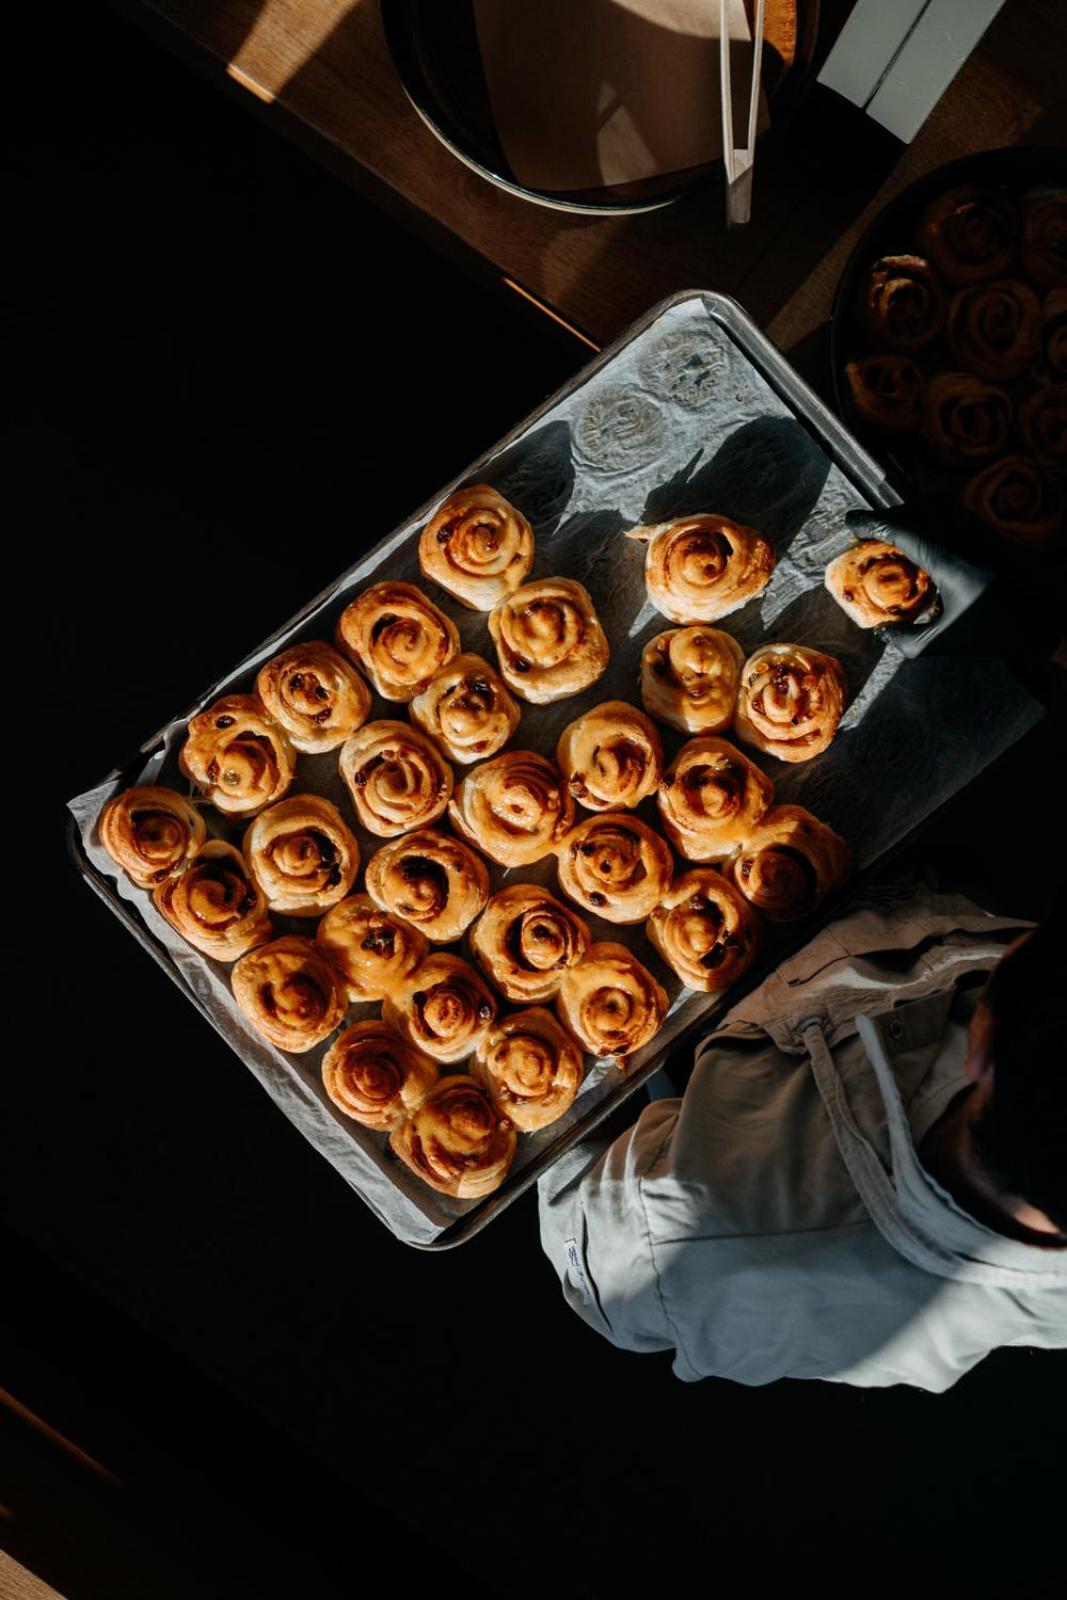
{"points": [[151, 833], [302, 855], [398, 637], [690, 677], [515, 809], [477, 546], [610, 1002], [374, 951], [877, 584], [290, 992], [466, 709], [970, 234], [549, 640], [965, 419], [432, 881], [610, 757], [790, 701], [700, 568], [314, 694], [711, 797], [216, 904], [788, 865], [1051, 366], [1044, 244], [886, 392], [994, 329], [375, 1077], [901, 304], [444, 1009], [525, 940], [456, 1140], [1043, 418], [1017, 498], [238, 756], [396, 778], [705, 930], [531, 1068], [616, 866]]}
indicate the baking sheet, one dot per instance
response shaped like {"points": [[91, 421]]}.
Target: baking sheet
{"points": [[693, 411]]}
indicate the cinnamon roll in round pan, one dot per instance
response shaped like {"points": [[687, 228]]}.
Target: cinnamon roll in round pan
{"points": [[886, 392], [610, 1002], [901, 304], [525, 940], [690, 677], [456, 1140], [994, 329], [444, 1009], [216, 903], [1043, 418], [1044, 245], [705, 930], [1051, 366], [398, 637], [477, 546], [376, 1077], [788, 865], [964, 418], [396, 778], [616, 866], [531, 1067], [434, 882], [515, 809], [466, 709], [302, 855], [151, 833], [970, 234], [610, 757], [1020, 500], [710, 798], [290, 992], [549, 640], [878, 585], [238, 756], [790, 701], [374, 951], [314, 694], [703, 567]]}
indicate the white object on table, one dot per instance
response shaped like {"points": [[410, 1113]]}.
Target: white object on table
{"points": [[739, 162]]}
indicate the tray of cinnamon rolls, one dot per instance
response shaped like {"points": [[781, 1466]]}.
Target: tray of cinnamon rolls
{"points": [[549, 776]]}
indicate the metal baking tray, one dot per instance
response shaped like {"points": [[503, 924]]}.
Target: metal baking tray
{"points": [[691, 409]]}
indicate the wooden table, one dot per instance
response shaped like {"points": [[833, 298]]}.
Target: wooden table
{"points": [[321, 72]]}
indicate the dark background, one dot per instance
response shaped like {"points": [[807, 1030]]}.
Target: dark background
{"points": [[229, 376]]}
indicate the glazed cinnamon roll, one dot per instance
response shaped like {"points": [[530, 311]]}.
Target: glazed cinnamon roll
{"points": [[994, 329], [549, 640], [711, 797], [790, 701], [456, 1140], [610, 1002], [1044, 244], [901, 304], [374, 951], [238, 756], [531, 1068], [689, 678], [396, 778], [788, 865], [290, 992], [314, 694], [1043, 418], [965, 419], [433, 881], [877, 584], [375, 1077], [886, 392], [616, 866], [444, 1009], [216, 904], [477, 546], [705, 930], [525, 940], [700, 568], [515, 809], [1051, 366], [1017, 498], [151, 833], [970, 234], [611, 757], [302, 855], [466, 709], [398, 637]]}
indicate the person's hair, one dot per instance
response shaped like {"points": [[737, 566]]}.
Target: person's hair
{"points": [[1020, 1135]]}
